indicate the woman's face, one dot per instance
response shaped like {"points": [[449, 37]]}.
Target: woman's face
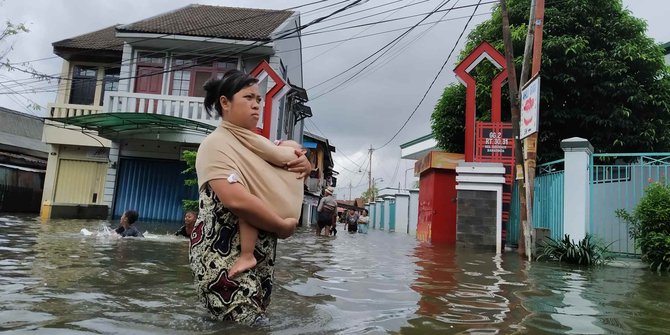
{"points": [[244, 109]]}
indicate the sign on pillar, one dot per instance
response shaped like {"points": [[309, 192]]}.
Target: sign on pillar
{"points": [[530, 108]]}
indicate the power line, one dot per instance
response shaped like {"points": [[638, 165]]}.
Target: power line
{"points": [[341, 152], [434, 79], [378, 51], [395, 10], [52, 88], [395, 42], [196, 28], [402, 48], [162, 51]]}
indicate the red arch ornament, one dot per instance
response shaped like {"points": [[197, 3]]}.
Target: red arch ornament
{"points": [[481, 52], [280, 88]]}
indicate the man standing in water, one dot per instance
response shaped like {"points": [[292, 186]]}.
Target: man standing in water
{"points": [[327, 210]]}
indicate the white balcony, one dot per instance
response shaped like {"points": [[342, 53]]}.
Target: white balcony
{"points": [[192, 108], [62, 110]]}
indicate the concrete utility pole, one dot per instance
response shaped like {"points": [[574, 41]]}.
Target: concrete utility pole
{"points": [[530, 142], [370, 185], [516, 118]]}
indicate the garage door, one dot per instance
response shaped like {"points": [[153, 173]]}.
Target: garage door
{"points": [[155, 188], [80, 182]]}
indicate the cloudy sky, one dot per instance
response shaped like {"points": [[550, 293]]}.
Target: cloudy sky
{"points": [[366, 111]]}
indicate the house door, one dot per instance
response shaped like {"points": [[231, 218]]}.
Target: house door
{"points": [[150, 81]]}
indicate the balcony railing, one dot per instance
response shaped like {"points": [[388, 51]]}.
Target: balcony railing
{"points": [[192, 108], [61, 110]]}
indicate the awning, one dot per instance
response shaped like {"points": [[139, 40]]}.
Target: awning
{"points": [[110, 123]]}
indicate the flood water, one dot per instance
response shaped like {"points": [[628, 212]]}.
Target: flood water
{"points": [[54, 280]]}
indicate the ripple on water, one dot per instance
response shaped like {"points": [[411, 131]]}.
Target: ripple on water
{"points": [[18, 318]]}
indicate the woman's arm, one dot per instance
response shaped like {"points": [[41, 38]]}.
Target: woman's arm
{"points": [[251, 209]]}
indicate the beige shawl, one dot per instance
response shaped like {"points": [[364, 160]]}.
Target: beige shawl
{"points": [[257, 164]]}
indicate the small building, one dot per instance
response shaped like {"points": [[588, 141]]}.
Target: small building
{"points": [[666, 50], [133, 102], [319, 152], [23, 161]]}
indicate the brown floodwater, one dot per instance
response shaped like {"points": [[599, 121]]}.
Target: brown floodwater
{"points": [[56, 280]]}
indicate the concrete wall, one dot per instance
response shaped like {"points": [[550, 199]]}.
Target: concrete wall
{"points": [[402, 213], [378, 216], [387, 214], [476, 218], [413, 211]]}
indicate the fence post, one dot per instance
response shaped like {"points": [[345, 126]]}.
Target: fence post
{"points": [[576, 197]]}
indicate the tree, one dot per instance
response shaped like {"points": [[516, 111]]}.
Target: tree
{"points": [[370, 194], [602, 79], [10, 29]]}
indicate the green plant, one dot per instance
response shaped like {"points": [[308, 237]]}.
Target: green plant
{"points": [[585, 252], [650, 225], [189, 158]]}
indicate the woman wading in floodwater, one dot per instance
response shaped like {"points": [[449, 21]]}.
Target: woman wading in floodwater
{"points": [[246, 183]]}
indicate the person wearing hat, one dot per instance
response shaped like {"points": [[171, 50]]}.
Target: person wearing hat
{"points": [[327, 210]]}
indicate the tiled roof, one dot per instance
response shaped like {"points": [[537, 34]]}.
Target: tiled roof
{"points": [[213, 21], [103, 39]]}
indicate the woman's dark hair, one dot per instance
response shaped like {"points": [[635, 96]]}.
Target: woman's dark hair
{"points": [[232, 82], [131, 215]]}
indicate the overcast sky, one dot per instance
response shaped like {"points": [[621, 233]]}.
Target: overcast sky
{"points": [[364, 112]]}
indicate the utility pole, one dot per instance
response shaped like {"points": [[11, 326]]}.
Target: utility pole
{"points": [[516, 117], [530, 142], [523, 200], [350, 190], [370, 185]]}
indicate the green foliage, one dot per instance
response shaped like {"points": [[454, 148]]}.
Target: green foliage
{"points": [[189, 158], [650, 225], [602, 79], [370, 194], [586, 252]]}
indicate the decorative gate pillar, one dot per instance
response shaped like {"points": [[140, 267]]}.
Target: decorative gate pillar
{"points": [[481, 52]]}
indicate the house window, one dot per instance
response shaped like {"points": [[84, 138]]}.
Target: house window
{"points": [[181, 82], [83, 85], [110, 82], [190, 73]]}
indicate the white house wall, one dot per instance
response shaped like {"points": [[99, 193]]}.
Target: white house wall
{"points": [[401, 213], [413, 211]]}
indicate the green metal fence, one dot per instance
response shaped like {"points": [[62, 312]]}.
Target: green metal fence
{"points": [[547, 202], [618, 181]]}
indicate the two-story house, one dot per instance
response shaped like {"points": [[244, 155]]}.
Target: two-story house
{"points": [[130, 101], [319, 152]]}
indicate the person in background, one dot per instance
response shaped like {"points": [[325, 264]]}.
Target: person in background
{"points": [[327, 210], [352, 221], [189, 222], [363, 222], [126, 228]]}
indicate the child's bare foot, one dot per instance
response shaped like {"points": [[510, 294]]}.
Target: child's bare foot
{"points": [[244, 263]]}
